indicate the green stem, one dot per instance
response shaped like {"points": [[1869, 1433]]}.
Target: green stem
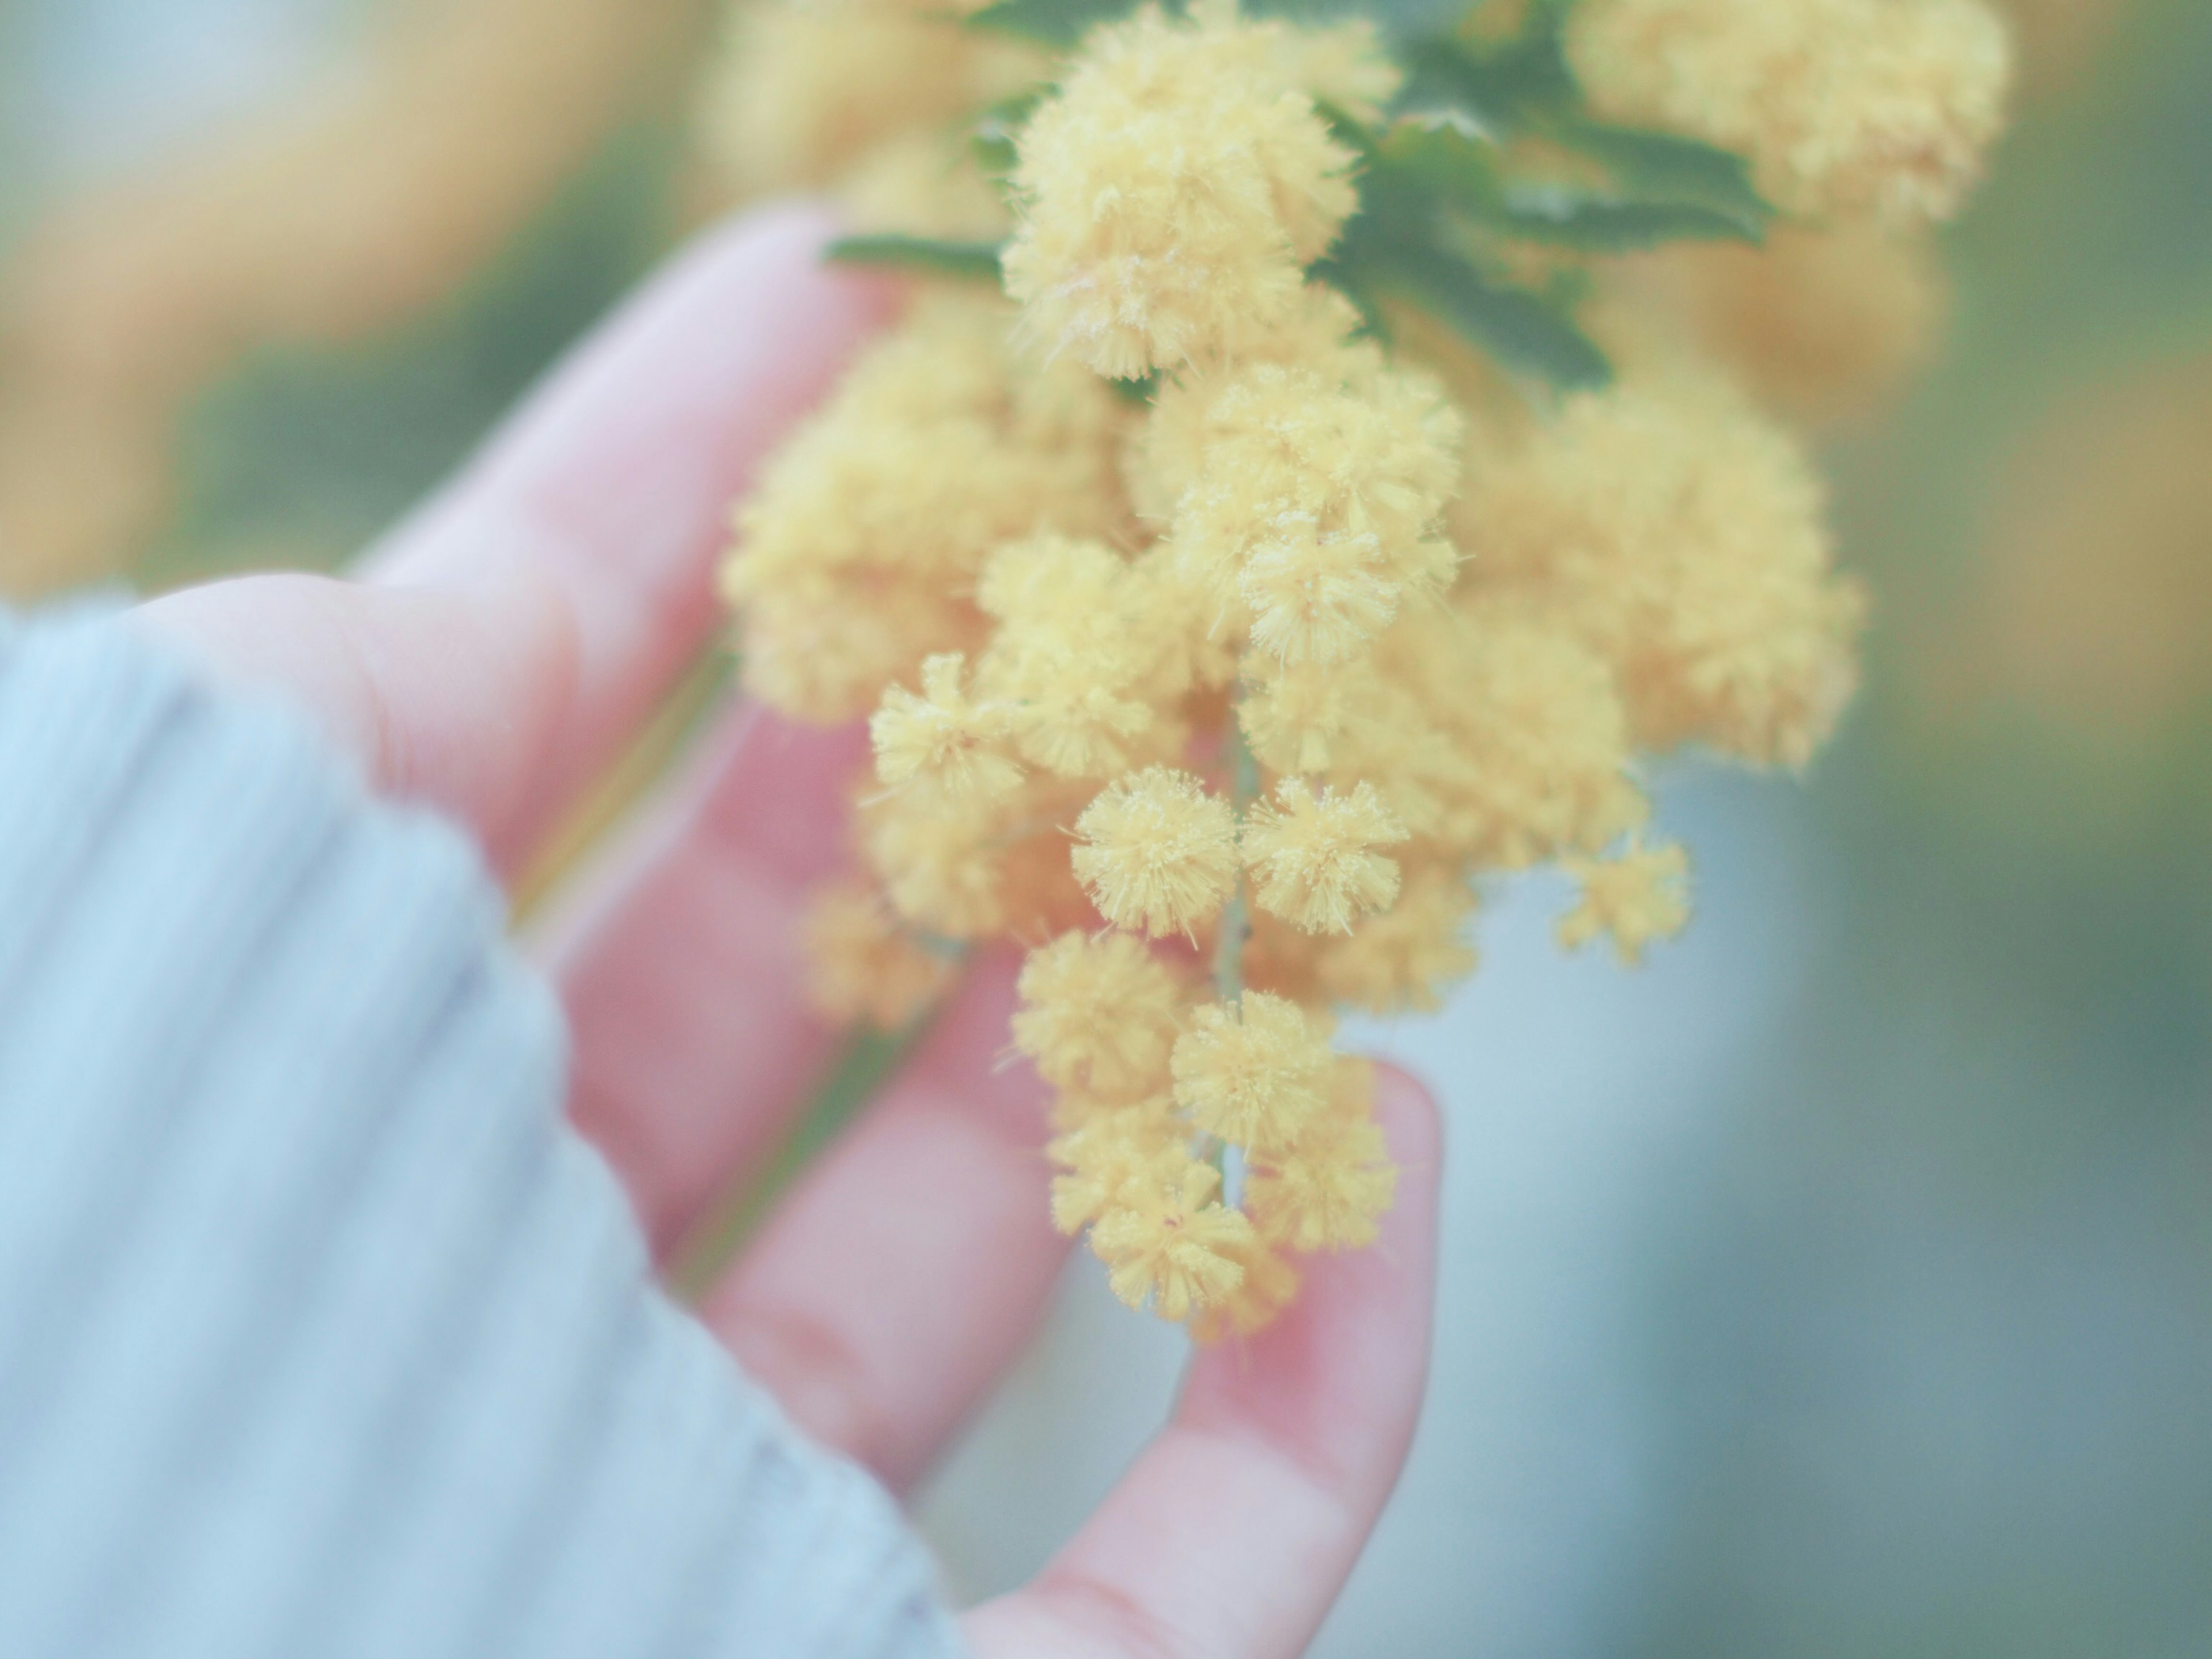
{"points": [[1235, 932], [868, 1060]]}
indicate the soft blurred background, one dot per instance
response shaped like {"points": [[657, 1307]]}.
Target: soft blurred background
{"points": [[1839, 1284]]}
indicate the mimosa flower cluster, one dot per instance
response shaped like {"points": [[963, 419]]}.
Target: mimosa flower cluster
{"points": [[1220, 654]]}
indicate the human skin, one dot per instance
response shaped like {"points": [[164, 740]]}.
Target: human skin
{"points": [[491, 657]]}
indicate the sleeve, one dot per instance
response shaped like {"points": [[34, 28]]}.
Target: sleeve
{"points": [[320, 1333]]}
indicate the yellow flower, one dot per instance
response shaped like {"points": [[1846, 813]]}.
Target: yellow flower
{"points": [[1344, 64], [1330, 1194], [1170, 193], [1254, 1075], [1526, 750], [942, 735], [827, 655], [941, 443], [1637, 898], [940, 859], [1314, 595], [1842, 104], [1314, 855], [1331, 1190], [1158, 854], [1404, 959], [1098, 1014], [1270, 1285], [805, 89], [1314, 499], [1117, 1158], [1296, 716], [1069, 660], [1170, 1245], [1320, 335], [862, 966], [1061, 603], [1681, 535]]}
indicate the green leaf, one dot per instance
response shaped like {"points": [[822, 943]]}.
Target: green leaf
{"points": [[1049, 22], [1444, 159], [1595, 224], [1403, 20], [1661, 167], [1513, 86], [997, 130], [1514, 325], [1139, 391], [978, 260], [1064, 23], [1353, 282], [1346, 127]]}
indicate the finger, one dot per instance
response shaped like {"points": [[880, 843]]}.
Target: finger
{"points": [[450, 697], [1232, 1535], [512, 634], [680, 964], [899, 1279]]}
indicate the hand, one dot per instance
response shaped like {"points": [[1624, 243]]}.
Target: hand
{"points": [[492, 657]]}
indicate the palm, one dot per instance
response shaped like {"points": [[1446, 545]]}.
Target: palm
{"points": [[491, 658]]}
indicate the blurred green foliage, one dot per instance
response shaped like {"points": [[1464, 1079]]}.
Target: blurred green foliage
{"points": [[303, 455]]}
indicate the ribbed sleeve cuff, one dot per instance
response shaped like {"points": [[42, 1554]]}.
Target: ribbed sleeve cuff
{"points": [[320, 1333]]}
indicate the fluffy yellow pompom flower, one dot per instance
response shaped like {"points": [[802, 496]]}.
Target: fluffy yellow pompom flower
{"points": [[1313, 853], [862, 966], [1641, 896], [1071, 660], [1172, 192], [1405, 958], [1173, 1246], [1255, 1075], [1315, 595], [1065, 601], [1312, 506], [940, 859], [1529, 754], [1115, 1158], [1269, 1285], [1098, 1014], [1320, 335], [1300, 717], [807, 89], [1842, 104], [942, 735], [1682, 536], [941, 442], [1329, 1194], [1331, 1190], [1158, 854]]}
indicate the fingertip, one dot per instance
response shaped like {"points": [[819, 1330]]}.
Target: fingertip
{"points": [[1341, 1374], [1405, 1251], [1410, 1119]]}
